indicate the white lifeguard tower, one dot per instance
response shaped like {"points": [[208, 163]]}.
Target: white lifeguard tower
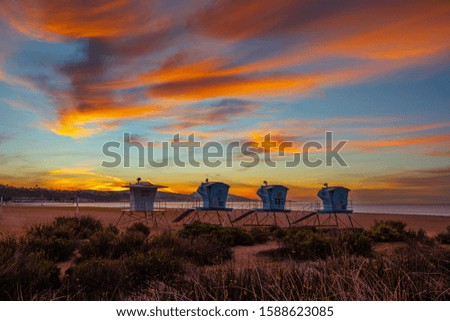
{"points": [[214, 195], [142, 204], [214, 200], [334, 199], [273, 198], [334, 202]]}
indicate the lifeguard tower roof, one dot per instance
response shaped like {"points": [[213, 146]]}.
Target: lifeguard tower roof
{"points": [[145, 185]]}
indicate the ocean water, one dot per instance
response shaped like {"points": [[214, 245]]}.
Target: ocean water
{"points": [[414, 209]]}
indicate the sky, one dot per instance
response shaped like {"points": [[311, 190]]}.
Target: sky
{"points": [[75, 75]]}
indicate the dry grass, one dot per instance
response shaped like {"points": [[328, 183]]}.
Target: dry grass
{"points": [[411, 274]]}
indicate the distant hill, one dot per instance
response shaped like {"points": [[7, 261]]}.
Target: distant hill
{"points": [[22, 194]]}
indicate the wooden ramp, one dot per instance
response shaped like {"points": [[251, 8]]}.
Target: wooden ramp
{"points": [[183, 215], [304, 217], [243, 216]]}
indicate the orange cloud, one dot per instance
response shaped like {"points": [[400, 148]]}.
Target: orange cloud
{"points": [[50, 19], [79, 179], [76, 123], [404, 129], [394, 30], [398, 142]]}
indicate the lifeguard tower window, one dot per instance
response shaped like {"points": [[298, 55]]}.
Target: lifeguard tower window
{"points": [[145, 192]]}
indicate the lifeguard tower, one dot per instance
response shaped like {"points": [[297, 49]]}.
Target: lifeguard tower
{"points": [[334, 199], [273, 198], [142, 204], [214, 199], [334, 202]]}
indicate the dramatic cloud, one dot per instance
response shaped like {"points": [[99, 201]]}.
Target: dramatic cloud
{"points": [[74, 178], [55, 19], [138, 52], [220, 113]]}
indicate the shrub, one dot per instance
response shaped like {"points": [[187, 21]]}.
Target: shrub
{"points": [[305, 243], [204, 251], [26, 275], [229, 236], [259, 235], [355, 242], [8, 248], [154, 265], [444, 238], [78, 228], [139, 227], [233, 236], [110, 279], [101, 244], [418, 236], [97, 278], [201, 250], [128, 243], [278, 232], [108, 244], [388, 231], [53, 241]]}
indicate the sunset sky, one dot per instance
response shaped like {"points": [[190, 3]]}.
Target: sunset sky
{"points": [[77, 74]]}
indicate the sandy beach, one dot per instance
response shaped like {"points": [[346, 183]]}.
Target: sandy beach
{"points": [[15, 219]]}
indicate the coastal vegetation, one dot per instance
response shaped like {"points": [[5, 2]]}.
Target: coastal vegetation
{"points": [[81, 259]]}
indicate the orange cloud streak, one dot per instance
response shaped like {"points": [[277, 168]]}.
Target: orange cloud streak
{"points": [[74, 123], [50, 19], [77, 179], [398, 142]]}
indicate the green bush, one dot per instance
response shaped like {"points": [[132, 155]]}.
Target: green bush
{"points": [[139, 227], [108, 244], [201, 250], [24, 276], [229, 236], [154, 265], [58, 240], [277, 232], [101, 244], [388, 231], [8, 248], [306, 243], [97, 278], [110, 279], [130, 242], [355, 242], [53, 241], [444, 238], [78, 228], [259, 235]]}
